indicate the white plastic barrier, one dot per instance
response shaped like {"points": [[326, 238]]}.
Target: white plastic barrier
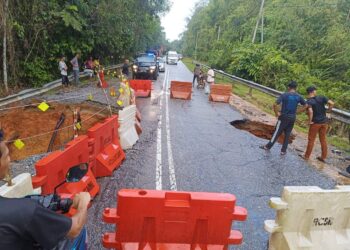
{"points": [[127, 132], [310, 218], [22, 186]]}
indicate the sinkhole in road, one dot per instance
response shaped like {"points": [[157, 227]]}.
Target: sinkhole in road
{"points": [[259, 129], [30, 121]]}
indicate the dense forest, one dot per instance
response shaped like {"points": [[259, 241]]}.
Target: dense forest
{"points": [[304, 40], [36, 33]]}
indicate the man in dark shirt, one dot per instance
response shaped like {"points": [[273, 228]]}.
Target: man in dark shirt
{"points": [[25, 224], [318, 122], [196, 73], [125, 68], [286, 117]]}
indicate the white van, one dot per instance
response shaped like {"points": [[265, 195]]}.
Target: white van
{"points": [[172, 57]]}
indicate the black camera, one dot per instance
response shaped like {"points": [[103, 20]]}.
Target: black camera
{"points": [[52, 202]]}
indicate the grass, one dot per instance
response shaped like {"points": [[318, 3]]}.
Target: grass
{"points": [[265, 101]]}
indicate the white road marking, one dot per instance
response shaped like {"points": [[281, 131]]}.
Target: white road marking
{"points": [[159, 140], [172, 176]]}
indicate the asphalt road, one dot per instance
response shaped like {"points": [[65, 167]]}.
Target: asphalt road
{"points": [[190, 146]]}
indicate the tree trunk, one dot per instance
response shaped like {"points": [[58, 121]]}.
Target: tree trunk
{"points": [[4, 45]]}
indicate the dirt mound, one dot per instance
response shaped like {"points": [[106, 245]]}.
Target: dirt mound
{"points": [[31, 121]]}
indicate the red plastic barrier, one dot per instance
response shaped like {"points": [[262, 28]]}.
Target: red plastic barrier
{"points": [[149, 219], [52, 170], [103, 82], [181, 90], [106, 154], [220, 92], [142, 88]]}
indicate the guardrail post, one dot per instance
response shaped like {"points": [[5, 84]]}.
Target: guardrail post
{"points": [[250, 93]]}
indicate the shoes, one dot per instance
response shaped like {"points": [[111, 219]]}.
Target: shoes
{"points": [[321, 159], [303, 157], [264, 147], [283, 152]]}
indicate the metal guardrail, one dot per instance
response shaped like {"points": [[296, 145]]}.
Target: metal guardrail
{"points": [[337, 114], [45, 88]]}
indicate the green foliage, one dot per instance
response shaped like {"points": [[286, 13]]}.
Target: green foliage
{"points": [[36, 72], [304, 40], [42, 31]]}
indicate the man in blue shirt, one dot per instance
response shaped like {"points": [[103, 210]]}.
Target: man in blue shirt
{"points": [[286, 116]]}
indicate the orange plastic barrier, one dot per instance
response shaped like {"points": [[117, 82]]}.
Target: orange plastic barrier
{"points": [[142, 88], [52, 169], [181, 90], [149, 219], [220, 92], [104, 84], [105, 151]]}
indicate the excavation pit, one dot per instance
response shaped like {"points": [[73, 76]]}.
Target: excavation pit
{"points": [[259, 129], [37, 126]]}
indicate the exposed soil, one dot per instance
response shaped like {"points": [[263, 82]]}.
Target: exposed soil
{"points": [[31, 121], [259, 129]]}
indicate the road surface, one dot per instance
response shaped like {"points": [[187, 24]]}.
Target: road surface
{"points": [[190, 146]]}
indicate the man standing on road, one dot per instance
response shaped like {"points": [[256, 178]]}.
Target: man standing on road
{"points": [[286, 117], [318, 122], [125, 69], [210, 80], [196, 73], [75, 64], [63, 68]]}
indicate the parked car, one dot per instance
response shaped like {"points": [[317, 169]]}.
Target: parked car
{"points": [[172, 57], [145, 67], [180, 56], [161, 64]]}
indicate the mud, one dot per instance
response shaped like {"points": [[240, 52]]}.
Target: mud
{"points": [[30, 121], [259, 129]]}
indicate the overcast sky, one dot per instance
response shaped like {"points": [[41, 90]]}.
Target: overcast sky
{"points": [[174, 21]]}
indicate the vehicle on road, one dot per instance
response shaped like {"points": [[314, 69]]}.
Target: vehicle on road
{"points": [[180, 56], [172, 57], [161, 64], [145, 67]]}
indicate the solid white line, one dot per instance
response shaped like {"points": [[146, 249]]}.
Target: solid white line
{"points": [[159, 141], [172, 176]]}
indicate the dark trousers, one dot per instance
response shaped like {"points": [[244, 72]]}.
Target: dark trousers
{"points": [[65, 80], [194, 78], [284, 125]]}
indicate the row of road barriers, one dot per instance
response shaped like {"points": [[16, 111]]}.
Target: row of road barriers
{"points": [[218, 92], [307, 218]]}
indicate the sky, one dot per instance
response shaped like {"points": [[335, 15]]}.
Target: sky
{"points": [[174, 22]]}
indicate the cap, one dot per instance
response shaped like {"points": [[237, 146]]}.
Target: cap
{"points": [[311, 89], [292, 85]]}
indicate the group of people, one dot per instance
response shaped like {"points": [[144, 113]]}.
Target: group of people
{"points": [[208, 79], [25, 224], [315, 106], [90, 65]]}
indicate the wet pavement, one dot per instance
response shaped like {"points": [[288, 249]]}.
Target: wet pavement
{"points": [[201, 151]]}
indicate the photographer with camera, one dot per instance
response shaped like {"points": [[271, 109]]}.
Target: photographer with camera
{"points": [[26, 224]]}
